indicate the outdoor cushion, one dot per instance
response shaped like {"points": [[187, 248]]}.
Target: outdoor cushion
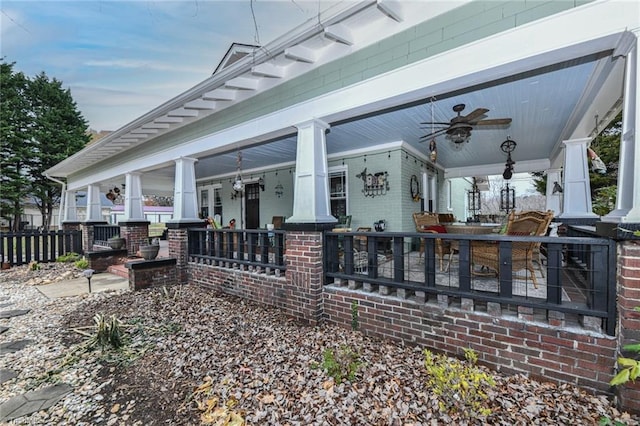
{"points": [[440, 229]]}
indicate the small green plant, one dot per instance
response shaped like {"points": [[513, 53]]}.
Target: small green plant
{"points": [[341, 364], [82, 263], [461, 386], [354, 316], [34, 266], [630, 367], [69, 257]]}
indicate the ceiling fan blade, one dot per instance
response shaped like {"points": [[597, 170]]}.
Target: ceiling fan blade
{"points": [[437, 122], [493, 122], [478, 112], [432, 135]]}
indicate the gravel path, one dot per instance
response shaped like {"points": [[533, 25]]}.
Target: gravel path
{"points": [[193, 356]]}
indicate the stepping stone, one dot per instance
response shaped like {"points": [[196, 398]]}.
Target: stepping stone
{"points": [[4, 305], [3, 329], [10, 347], [14, 313], [6, 375], [31, 402]]}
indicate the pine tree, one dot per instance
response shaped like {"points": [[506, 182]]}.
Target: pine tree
{"points": [[15, 125]]}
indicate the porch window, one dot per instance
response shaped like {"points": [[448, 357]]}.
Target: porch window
{"points": [[217, 202], [204, 203], [338, 192]]}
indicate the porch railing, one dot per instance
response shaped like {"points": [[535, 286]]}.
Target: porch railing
{"points": [[101, 233], [257, 248], [19, 248], [577, 275]]}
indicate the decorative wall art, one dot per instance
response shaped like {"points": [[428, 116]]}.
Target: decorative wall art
{"points": [[414, 187], [374, 183]]}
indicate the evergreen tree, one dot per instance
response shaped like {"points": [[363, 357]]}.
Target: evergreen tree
{"points": [[40, 126], [15, 146], [603, 186], [59, 131]]}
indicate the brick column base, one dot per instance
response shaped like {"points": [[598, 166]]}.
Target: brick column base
{"points": [[629, 320], [136, 233], [177, 237], [87, 235]]}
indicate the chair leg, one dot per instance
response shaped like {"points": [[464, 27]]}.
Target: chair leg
{"points": [[532, 271]]}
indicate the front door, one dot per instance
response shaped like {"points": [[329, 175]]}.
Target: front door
{"points": [[252, 211]]}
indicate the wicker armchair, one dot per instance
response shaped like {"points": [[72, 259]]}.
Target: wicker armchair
{"points": [[530, 223], [423, 222]]}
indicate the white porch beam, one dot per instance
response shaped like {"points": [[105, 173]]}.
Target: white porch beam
{"points": [[200, 104], [339, 33], [393, 9], [182, 112], [242, 83], [576, 187], [268, 70], [220, 95], [628, 175], [133, 201], [311, 185], [300, 54]]}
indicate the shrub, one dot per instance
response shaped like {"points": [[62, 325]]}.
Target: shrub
{"points": [[82, 263], [69, 257], [341, 364], [108, 332], [630, 367], [34, 266], [461, 386]]}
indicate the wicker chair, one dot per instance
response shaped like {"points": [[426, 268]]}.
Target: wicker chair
{"points": [[531, 223], [423, 221]]}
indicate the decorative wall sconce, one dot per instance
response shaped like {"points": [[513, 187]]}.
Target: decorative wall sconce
{"points": [[279, 190], [238, 184], [261, 184], [557, 189]]}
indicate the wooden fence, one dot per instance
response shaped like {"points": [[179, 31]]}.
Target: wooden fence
{"points": [[19, 248]]}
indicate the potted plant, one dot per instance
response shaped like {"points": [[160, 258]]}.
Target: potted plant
{"points": [[116, 242], [150, 251]]}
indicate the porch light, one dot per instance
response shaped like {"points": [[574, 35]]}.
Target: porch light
{"points": [[474, 198], [279, 190], [238, 184], [459, 135], [508, 146], [261, 184], [507, 198], [556, 188]]}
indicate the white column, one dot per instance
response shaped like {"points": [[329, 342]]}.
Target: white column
{"points": [[631, 138], [554, 201], [624, 195], [94, 207], [185, 198], [577, 188], [311, 185], [133, 200], [70, 213]]}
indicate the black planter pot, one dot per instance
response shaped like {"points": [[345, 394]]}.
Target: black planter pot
{"points": [[116, 243]]}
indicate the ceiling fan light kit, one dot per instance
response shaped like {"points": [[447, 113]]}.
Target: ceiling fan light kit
{"points": [[458, 129]]}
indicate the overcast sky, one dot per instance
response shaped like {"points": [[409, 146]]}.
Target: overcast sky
{"points": [[123, 58]]}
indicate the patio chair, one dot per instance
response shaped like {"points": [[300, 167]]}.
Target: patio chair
{"points": [[429, 222], [546, 217], [533, 223], [344, 222]]}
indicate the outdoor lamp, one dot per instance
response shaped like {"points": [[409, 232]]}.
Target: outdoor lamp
{"points": [[87, 274], [261, 184]]}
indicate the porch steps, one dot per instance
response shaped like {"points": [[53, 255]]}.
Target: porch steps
{"points": [[119, 270]]}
